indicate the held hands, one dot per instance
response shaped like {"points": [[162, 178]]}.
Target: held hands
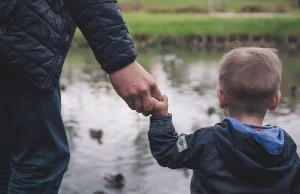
{"points": [[136, 87], [160, 108]]}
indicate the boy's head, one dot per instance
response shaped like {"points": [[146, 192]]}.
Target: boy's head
{"points": [[249, 81]]}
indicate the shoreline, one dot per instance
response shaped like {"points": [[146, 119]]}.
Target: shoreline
{"points": [[217, 30]]}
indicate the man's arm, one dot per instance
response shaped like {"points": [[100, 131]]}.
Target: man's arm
{"points": [[174, 151], [101, 23]]}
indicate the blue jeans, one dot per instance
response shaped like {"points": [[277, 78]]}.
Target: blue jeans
{"points": [[34, 152]]}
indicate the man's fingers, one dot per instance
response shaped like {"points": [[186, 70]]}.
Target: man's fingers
{"points": [[146, 114], [130, 103], [155, 93], [147, 102], [138, 104]]}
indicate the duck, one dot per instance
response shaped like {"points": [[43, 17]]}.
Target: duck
{"points": [[99, 192], [211, 110], [62, 87], [96, 134], [116, 181]]}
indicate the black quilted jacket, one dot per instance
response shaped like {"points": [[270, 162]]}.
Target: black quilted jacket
{"points": [[224, 160], [35, 36]]}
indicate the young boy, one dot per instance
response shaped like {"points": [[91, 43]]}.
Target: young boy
{"points": [[239, 155]]}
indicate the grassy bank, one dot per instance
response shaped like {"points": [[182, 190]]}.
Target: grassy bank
{"points": [[229, 5], [192, 24]]}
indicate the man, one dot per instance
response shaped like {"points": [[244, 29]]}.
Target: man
{"points": [[35, 38]]}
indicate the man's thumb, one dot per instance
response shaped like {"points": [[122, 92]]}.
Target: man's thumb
{"points": [[155, 93]]}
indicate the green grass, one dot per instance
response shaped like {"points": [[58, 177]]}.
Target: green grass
{"points": [[192, 24], [230, 5]]}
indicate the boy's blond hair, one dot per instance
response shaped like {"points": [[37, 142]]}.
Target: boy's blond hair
{"points": [[250, 78]]}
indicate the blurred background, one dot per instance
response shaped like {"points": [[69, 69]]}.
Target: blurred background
{"points": [[179, 43]]}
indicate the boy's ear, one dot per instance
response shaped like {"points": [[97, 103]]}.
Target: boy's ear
{"points": [[275, 102], [222, 99]]}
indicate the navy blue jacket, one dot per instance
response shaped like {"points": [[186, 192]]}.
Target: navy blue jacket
{"points": [[225, 160], [35, 36]]}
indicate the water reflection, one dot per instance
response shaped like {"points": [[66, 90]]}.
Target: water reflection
{"points": [[89, 102], [142, 156], [173, 67], [71, 128]]}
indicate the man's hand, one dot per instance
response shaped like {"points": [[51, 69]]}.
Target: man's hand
{"points": [[160, 108], [136, 87]]}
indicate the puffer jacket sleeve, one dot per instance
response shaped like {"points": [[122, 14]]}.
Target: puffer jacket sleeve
{"points": [[102, 25], [177, 151]]}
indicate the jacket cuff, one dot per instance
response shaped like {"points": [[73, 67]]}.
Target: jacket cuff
{"points": [[114, 65], [161, 122]]}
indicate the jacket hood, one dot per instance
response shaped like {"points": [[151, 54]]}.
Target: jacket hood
{"points": [[270, 137], [256, 154]]}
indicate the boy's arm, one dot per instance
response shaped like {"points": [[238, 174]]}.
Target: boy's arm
{"points": [[174, 151]]}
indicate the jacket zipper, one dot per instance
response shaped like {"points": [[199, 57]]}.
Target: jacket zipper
{"points": [[7, 24], [53, 70]]}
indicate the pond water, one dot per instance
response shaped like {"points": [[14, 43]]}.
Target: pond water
{"points": [[89, 101]]}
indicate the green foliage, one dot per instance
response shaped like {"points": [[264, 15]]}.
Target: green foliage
{"points": [[230, 5]]}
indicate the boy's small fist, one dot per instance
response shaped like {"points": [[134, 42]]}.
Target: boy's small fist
{"points": [[160, 108]]}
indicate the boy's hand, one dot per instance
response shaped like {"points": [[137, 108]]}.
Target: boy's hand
{"points": [[160, 108]]}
